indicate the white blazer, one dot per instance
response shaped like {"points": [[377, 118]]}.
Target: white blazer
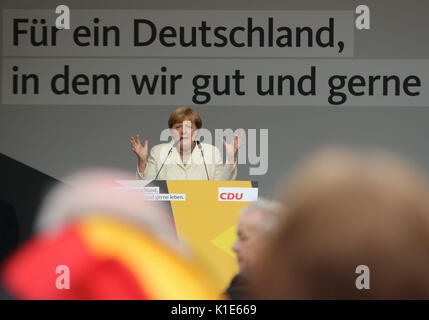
{"points": [[193, 169]]}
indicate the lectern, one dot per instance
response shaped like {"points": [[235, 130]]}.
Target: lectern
{"points": [[205, 215]]}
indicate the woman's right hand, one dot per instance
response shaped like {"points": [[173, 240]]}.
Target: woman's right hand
{"points": [[141, 151]]}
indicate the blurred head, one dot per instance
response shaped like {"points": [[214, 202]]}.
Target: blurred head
{"points": [[255, 222], [347, 209], [95, 192], [184, 123]]}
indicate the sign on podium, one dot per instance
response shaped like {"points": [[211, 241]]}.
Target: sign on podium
{"points": [[205, 215]]}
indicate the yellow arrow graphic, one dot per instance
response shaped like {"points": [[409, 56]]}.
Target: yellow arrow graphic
{"points": [[225, 240]]}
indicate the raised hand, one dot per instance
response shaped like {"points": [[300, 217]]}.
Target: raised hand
{"points": [[232, 148], [141, 151]]}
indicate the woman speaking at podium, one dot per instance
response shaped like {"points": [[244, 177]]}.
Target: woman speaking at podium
{"points": [[184, 158]]}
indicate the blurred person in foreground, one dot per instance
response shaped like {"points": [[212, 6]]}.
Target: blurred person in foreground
{"points": [[347, 209], [114, 244], [256, 221]]}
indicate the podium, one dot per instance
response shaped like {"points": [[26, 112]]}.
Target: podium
{"points": [[205, 215]]}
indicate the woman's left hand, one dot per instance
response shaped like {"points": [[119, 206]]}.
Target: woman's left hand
{"points": [[232, 148]]}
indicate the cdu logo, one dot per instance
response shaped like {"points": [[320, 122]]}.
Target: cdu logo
{"points": [[231, 196], [238, 194]]}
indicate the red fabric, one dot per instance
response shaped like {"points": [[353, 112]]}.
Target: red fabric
{"points": [[31, 272]]}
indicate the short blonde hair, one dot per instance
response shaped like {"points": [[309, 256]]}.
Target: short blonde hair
{"points": [[182, 113]]}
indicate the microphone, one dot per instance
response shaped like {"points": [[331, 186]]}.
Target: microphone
{"points": [[175, 144], [202, 153], [169, 152]]}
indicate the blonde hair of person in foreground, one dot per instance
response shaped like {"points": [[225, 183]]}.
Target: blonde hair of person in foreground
{"points": [[349, 208]]}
